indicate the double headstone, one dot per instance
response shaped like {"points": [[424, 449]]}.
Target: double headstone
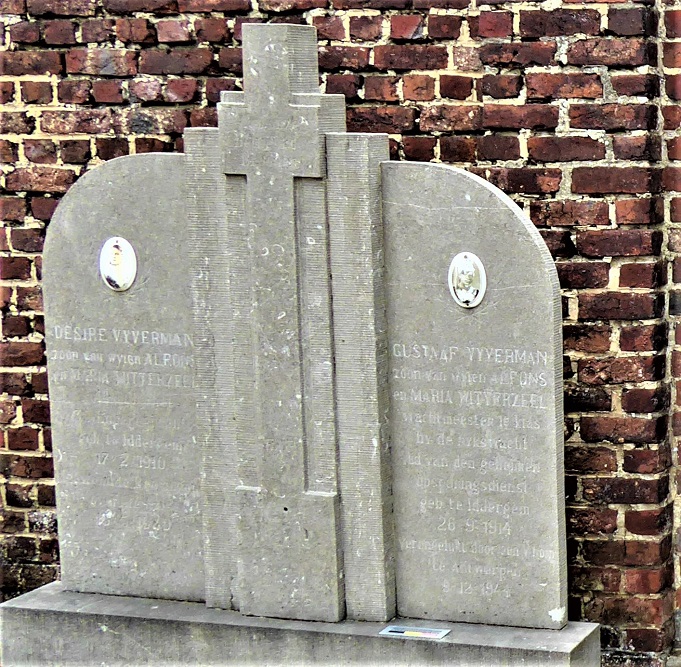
{"points": [[296, 380]]}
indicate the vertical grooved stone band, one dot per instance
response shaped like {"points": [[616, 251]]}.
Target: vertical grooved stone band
{"points": [[355, 236]]}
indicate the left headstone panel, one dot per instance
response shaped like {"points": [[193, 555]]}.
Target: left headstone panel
{"points": [[120, 362]]}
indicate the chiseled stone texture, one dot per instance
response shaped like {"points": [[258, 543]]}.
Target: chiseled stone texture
{"points": [[476, 406], [121, 375], [51, 627]]}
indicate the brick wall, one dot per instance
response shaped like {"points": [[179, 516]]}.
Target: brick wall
{"points": [[569, 107]]}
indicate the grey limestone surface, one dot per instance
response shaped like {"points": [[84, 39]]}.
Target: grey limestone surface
{"points": [[120, 370], [476, 405], [50, 627]]}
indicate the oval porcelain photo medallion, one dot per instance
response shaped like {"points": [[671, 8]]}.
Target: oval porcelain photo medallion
{"points": [[467, 280], [118, 264]]}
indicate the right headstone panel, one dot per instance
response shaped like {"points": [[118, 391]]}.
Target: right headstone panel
{"points": [[475, 403]]}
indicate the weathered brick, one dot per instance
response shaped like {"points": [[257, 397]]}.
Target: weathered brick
{"points": [[500, 86], [491, 25], [21, 353], [106, 91], [518, 54], [97, 30], [582, 275], [380, 119], [15, 268], [631, 22], [12, 209], [102, 62], [456, 87], [128, 6], [587, 337], [450, 118], [594, 578], [648, 522], [565, 149], [646, 461], [558, 23], [619, 370], [24, 438], [498, 147], [14, 122], [568, 213], [421, 149], [75, 151], [624, 490], [622, 429], [27, 467], [442, 26], [343, 57], [647, 275], [6, 91], [603, 180], [407, 26], [418, 87], [108, 149], [589, 460], [616, 610], [591, 520], [586, 399], [12, 6], [59, 33], [136, 30], [643, 338], [24, 32], [19, 63], [212, 30], [637, 148], [62, 8], [80, 121], [558, 242], [409, 56], [214, 5], [672, 21], [36, 92], [612, 116], [175, 61], [507, 117], [636, 84], [619, 242], [524, 180], [40, 179], [610, 52], [74, 91], [457, 149]]}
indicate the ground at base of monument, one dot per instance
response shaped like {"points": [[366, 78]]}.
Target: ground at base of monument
{"points": [[51, 626]]}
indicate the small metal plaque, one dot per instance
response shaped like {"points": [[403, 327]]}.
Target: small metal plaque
{"points": [[118, 264], [467, 280], [405, 631]]}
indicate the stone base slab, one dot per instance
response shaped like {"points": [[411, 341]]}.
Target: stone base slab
{"points": [[51, 626]]}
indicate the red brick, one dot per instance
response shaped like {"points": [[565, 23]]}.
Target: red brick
{"points": [[36, 92], [441, 4], [646, 461], [84, 121], [631, 22], [645, 275], [108, 149], [21, 354], [672, 117], [619, 242], [12, 209], [590, 460], [506, 117], [643, 338], [617, 371], [524, 180], [624, 490], [644, 581], [22, 439], [568, 213], [450, 118], [9, 151], [649, 640], [672, 21], [29, 298], [75, 151], [135, 30], [381, 88], [102, 62], [74, 91], [559, 23], [592, 520], [491, 25], [12, 6], [24, 33], [586, 399], [108, 91], [62, 8], [214, 5], [622, 429], [15, 268], [59, 33], [498, 147], [211, 30], [675, 209], [173, 31], [639, 211], [586, 338], [180, 91], [558, 242], [456, 87], [343, 57], [421, 149], [175, 61], [366, 28], [409, 56], [612, 116], [205, 117], [383, 4], [672, 54], [595, 579], [648, 522], [215, 86], [636, 84], [419, 87], [40, 179], [637, 148], [553, 86], [146, 90], [392, 120], [518, 54], [500, 86], [148, 145], [6, 92], [626, 180], [441, 26], [153, 120], [127, 6], [407, 26], [613, 610], [19, 63], [565, 149], [583, 275], [599, 552], [609, 52], [97, 30], [457, 149], [671, 178], [40, 151]]}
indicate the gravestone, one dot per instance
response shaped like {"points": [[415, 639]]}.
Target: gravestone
{"points": [[476, 404], [316, 389], [121, 374]]}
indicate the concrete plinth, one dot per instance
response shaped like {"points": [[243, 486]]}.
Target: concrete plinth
{"points": [[51, 626]]}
